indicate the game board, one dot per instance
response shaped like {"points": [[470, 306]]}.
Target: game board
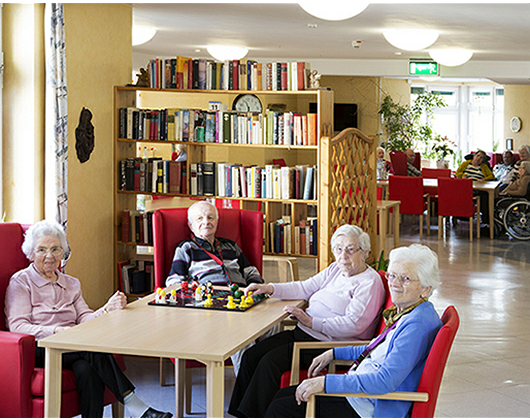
{"points": [[219, 300]]}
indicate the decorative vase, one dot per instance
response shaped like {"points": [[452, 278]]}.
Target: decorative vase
{"points": [[442, 164]]}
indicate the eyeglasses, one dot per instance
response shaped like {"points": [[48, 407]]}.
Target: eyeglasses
{"points": [[55, 251], [350, 250], [404, 280]]}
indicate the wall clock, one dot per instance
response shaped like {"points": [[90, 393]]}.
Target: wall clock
{"points": [[247, 103], [515, 124]]}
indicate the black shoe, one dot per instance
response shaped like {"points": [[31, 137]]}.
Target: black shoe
{"points": [[151, 413]]}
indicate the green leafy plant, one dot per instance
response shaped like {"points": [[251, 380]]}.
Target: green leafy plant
{"points": [[405, 124], [381, 264]]}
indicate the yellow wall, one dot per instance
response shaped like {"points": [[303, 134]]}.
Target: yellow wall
{"points": [[517, 104], [98, 57]]}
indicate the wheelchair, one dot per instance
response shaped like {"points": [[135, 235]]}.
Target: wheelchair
{"points": [[512, 215]]}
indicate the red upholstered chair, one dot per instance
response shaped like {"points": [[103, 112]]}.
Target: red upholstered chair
{"points": [[409, 190], [434, 173], [455, 198], [417, 161], [295, 375], [170, 227], [399, 163], [426, 395], [21, 383]]}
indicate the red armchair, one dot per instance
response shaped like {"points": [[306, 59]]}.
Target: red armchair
{"points": [[399, 163], [170, 227], [21, 383]]}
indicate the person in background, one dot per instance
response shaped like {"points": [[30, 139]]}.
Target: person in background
{"points": [[181, 154], [519, 187], [393, 363], [411, 169], [345, 301], [41, 301], [475, 168], [524, 155], [384, 167], [503, 171]]}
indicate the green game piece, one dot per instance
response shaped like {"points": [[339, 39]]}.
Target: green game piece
{"points": [[238, 294], [234, 287]]}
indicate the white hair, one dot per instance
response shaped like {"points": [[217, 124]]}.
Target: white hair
{"points": [[198, 204], [526, 164], [525, 147], [38, 231], [181, 147], [354, 232], [424, 260]]}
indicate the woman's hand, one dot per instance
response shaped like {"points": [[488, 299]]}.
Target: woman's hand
{"points": [[117, 301], [309, 387], [300, 315], [319, 363], [259, 288], [59, 329]]}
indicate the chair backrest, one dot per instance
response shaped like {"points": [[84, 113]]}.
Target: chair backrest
{"points": [[408, 190], [13, 259], [455, 197], [434, 173], [417, 160], [170, 228], [399, 162], [431, 378], [388, 303]]}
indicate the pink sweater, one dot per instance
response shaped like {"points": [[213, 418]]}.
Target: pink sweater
{"points": [[35, 305], [342, 308]]}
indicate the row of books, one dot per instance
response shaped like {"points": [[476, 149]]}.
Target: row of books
{"points": [[195, 125], [245, 74], [223, 179], [136, 276], [137, 227], [153, 175], [283, 239]]}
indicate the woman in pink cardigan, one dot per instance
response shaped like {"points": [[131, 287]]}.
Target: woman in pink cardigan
{"points": [[344, 303]]}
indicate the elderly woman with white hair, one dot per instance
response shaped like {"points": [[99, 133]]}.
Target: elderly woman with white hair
{"points": [[524, 156], [345, 301], [41, 300], [393, 361]]}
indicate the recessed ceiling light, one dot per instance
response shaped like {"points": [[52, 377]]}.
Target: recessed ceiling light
{"points": [[312, 25]]}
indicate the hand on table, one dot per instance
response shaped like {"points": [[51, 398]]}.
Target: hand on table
{"points": [[309, 387], [59, 329], [259, 288], [299, 315], [117, 301]]}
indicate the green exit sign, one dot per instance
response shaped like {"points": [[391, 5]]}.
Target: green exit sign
{"points": [[423, 68]]}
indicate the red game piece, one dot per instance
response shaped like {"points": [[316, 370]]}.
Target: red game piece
{"points": [[183, 285], [194, 284]]}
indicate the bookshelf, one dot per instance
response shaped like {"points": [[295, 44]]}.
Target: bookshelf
{"points": [[245, 154]]}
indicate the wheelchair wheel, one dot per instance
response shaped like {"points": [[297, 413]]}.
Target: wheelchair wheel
{"points": [[517, 220]]}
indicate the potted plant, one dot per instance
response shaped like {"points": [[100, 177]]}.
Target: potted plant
{"points": [[406, 125], [439, 149]]}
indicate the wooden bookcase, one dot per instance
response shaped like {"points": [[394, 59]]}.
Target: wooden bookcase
{"points": [[245, 154]]}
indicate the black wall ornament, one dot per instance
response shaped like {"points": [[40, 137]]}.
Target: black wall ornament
{"points": [[84, 136]]}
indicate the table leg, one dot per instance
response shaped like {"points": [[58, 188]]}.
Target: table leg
{"points": [[52, 383], [396, 226], [382, 231], [215, 389], [491, 199], [180, 376]]}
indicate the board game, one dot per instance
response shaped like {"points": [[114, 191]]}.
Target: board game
{"points": [[221, 298]]}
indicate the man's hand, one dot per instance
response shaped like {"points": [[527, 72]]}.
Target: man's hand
{"points": [[300, 315], [258, 288], [319, 363], [309, 387]]}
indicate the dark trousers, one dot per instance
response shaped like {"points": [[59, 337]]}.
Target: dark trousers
{"points": [[92, 371], [262, 367], [284, 405], [484, 205]]}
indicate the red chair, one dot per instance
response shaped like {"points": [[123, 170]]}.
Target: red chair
{"points": [[170, 227], [399, 163], [417, 161], [409, 190], [21, 383], [434, 173], [426, 395], [295, 376], [455, 198]]}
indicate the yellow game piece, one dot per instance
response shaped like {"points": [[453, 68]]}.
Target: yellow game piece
{"points": [[249, 299], [243, 304], [208, 302], [231, 304]]}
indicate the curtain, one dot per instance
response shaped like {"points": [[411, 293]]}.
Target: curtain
{"points": [[56, 179]]}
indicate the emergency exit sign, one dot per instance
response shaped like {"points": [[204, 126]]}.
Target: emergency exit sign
{"points": [[423, 68]]}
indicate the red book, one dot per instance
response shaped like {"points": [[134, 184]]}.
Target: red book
{"points": [[235, 74], [141, 228], [120, 266], [284, 76], [174, 177], [300, 75], [302, 236]]}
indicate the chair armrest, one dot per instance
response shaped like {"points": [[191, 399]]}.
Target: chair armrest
{"points": [[300, 345], [397, 395], [17, 365]]}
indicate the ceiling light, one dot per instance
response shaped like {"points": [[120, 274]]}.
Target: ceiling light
{"points": [[411, 39], [225, 52], [333, 9], [451, 58], [142, 34]]}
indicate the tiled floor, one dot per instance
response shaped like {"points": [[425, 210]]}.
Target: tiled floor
{"points": [[488, 373]]}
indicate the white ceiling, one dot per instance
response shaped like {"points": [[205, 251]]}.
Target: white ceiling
{"points": [[499, 35]]}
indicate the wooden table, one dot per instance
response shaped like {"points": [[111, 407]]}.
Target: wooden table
{"points": [[209, 336], [382, 209]]}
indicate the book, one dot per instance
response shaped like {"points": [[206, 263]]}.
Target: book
{"points": [[308, 184], [193, 179], [175, 172], [200, 178], [209, 178]]}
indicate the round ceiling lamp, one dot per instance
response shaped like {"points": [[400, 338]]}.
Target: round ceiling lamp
{"points": [[333, 9], [411, 39], [451, 58], [225, 52], [142, 34]]}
